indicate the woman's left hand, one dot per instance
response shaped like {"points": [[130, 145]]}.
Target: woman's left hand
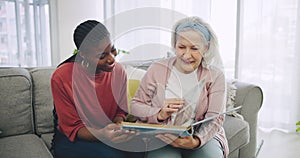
{"points": [[118, 120], [188, 142]]}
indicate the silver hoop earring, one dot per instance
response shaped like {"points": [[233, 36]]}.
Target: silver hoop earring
{"points": [[85, 65]]}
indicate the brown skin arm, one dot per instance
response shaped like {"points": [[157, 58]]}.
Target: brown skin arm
{"points": [[84, 134], [110, 132]]}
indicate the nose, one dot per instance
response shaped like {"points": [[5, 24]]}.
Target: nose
{"points": [[187, 53], [110, 58]]}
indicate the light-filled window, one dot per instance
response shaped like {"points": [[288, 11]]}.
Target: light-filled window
{"points": [[144, 27], [270, 46], [24, 33]]}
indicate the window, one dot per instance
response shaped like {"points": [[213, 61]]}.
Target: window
{"points": [[24, 33], [150, 37], [269, 57]]}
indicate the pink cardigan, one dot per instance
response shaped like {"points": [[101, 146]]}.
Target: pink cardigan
{"points": [[151, 94]]}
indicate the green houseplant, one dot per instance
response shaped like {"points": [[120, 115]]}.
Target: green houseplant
{"points": [[298, 128]]}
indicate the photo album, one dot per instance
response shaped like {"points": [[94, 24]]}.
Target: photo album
{"points": [[145, 128]]}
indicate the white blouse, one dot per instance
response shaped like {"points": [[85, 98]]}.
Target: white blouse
{"points": [[181, 85]]}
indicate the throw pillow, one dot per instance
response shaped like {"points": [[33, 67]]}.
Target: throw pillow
{"points": [[134, 75], [230, 101]]}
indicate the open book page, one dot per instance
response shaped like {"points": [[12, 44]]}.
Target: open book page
{"points": [[145, 128], [215, 116]]}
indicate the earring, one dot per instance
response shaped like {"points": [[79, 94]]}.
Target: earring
{"points": [[85, 65]]}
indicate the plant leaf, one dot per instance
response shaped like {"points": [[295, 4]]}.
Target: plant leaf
{"points": [[125, 52], [75, 51], [298, 129], [122, 51], [298, 123]]}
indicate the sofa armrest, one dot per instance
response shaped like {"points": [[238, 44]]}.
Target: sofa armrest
{"points": [[250, 97]]}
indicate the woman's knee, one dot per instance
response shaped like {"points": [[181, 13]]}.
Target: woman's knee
{"points": [[211, 149]]}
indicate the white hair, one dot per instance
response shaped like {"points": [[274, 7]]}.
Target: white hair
{"points": [[212, 56]]}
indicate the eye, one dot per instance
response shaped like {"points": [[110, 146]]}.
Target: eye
{"points": [[181, 47], [194, 48], [102, 56], [114, 51]]}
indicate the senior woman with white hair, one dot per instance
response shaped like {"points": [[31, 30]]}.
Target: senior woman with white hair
{"points": [[185, 89]]}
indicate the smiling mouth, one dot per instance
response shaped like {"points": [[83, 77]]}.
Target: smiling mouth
{"points": [[106, 67], [111, 65], [187, 62]]}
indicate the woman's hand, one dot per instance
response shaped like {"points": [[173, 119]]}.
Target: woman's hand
{"points": [[188, 142], [113, 133], [118, 120], [170, 106]]}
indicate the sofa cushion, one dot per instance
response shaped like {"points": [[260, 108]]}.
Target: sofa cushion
{"points": [[16, 100], [237, 132], [25, 146], [47, 139], [42, 101]]}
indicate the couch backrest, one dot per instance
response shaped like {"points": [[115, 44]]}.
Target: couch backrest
{"points": [[16, 102], [42, 99]]}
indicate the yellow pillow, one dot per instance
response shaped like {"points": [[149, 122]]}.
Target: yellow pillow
{"points": [[132, 86]]}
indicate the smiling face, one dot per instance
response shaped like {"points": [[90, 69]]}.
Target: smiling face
{"points": [[189, 50], [100, 57]]}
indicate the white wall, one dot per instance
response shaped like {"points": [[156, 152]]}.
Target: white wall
{"points": [[65, 16]]}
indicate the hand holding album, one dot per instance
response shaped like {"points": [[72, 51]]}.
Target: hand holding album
{"points": [[145, 128]]}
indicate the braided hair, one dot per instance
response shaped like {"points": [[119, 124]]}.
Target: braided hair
{"points": [[88, 33]]}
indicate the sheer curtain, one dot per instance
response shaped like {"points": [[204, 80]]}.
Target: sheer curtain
{"points": [[146, 42], [148, 24], [24, 33], [270, 57]]}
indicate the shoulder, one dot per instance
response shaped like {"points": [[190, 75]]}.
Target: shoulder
{"points": [[215, 70], [162, 64], [63, 70], [119, 69], [214, 73], [159, 71]]}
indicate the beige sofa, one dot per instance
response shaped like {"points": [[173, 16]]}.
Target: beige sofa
{"points": [[26, 122]]}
